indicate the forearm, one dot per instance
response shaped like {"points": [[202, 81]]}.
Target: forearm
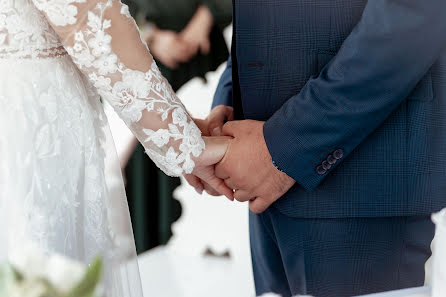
{"points": [[104, 42]]}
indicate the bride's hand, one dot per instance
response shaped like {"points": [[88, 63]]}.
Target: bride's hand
{"points": [[203, 175]]}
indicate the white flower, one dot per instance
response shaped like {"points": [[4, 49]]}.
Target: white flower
{"points": [[131, 111], [179, 117], [100, 82], [136, 81], [106, 64], [171, 156], [160, 137], [83, 58], [188, 166], [77, 47], [61, 12], [129, 94], [29, 260], [64, 273], [28, 288], [193, 142], [171, 162], [100, 44], [78, 36]]}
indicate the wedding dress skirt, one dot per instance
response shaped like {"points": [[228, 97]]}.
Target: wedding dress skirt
{"points": [[57, 161]]}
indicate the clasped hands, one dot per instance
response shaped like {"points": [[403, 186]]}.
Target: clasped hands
{"points": [[237, 165], [172, 48]]}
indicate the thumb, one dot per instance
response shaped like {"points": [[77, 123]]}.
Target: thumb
{"points": [[218, 117], [259, 205], [230, 128]]}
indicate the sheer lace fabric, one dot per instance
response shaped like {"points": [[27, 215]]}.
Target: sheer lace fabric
{"points": [[105, 44], [25, 33]]}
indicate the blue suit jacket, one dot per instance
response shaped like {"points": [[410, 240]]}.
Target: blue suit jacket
{"points": [[353, 93]]}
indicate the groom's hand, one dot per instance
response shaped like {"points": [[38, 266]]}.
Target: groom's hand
{"points": [[211, 126], [247, 167]]}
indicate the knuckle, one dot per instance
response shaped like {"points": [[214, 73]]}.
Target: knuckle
{"points": [[239, 199], [255, 209]]}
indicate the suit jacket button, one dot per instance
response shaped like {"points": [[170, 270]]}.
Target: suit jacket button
{"points": [[320, 170], [331, 160], [338, 154], [326, 165]]}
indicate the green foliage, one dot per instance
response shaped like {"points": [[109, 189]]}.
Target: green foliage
{"points": [[7, 277], [11, 279], [88, 285]]}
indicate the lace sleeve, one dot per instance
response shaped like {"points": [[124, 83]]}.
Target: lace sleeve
{"points": [[104, 42]]}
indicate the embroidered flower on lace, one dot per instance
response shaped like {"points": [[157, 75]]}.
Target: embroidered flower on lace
{"points": [[25, 37], [59, 12]]}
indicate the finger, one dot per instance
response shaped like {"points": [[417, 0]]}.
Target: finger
{"points": [[234, 183], [210, 190], [259, 205], [230, 128], [202, 125], [194, 182], [243, 195], [207, 175], [220, 170], [218, 117], [215, 152], [219, 186], [231, 183]]}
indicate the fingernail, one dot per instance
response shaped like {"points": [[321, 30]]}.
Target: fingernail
{"points": [[199, 190], [216, 131]]}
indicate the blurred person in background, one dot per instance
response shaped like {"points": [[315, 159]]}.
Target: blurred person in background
{"points": [[186, 39]]}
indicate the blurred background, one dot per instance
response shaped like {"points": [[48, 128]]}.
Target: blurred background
{"points": [[189, 244]]}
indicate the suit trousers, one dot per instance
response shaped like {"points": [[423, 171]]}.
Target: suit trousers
{"points": [[338, 257]]}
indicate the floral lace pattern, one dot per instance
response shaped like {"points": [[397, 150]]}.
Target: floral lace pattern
{"points": [[56, 171], [28, 37], [173, 139], [61, 12]]}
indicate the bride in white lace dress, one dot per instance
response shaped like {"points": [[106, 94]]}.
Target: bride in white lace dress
{"points": [[58, 58]]}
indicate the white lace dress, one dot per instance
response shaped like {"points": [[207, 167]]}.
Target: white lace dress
{"points": [[57, 59]]}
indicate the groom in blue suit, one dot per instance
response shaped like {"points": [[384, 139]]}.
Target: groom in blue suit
{"points": [[339, 140]]}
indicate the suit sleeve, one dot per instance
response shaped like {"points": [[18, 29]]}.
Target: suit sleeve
{"points": [[223, 94], [388, 52]]}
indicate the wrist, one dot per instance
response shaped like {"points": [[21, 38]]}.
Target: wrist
{"points": [[214, 151], [202, 125]]}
